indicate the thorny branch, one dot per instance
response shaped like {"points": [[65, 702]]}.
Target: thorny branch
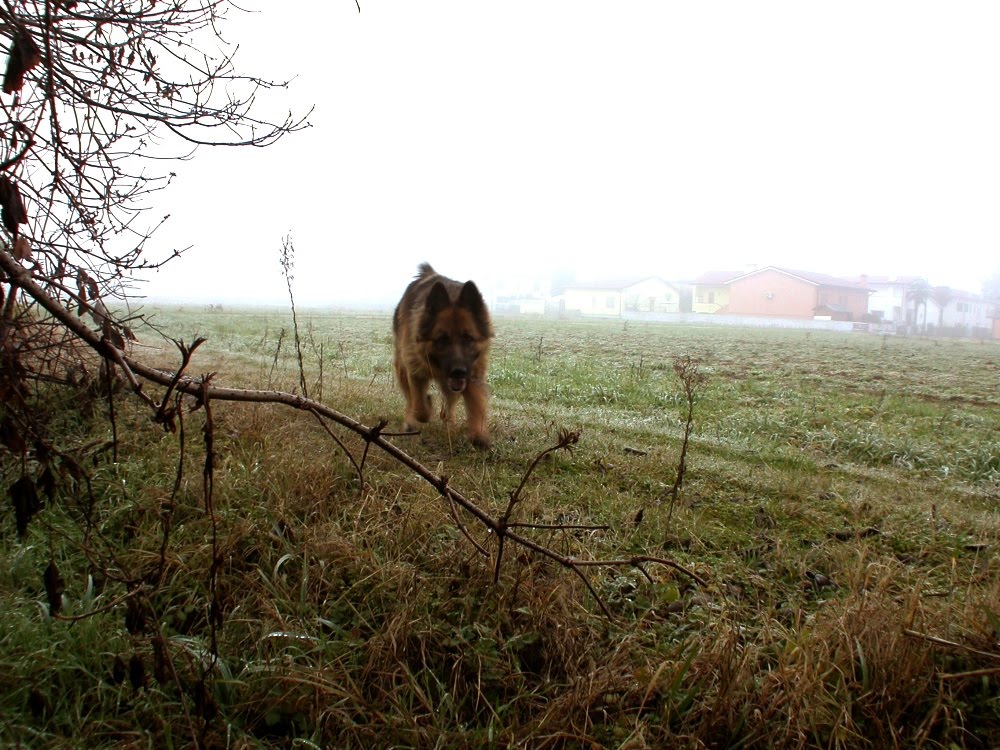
{"points": [[205, 391]]}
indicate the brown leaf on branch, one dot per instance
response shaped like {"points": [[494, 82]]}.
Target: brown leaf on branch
{"points": [[26, 503], [24, 55], [11, 205], [54, 588], [22, 249]]}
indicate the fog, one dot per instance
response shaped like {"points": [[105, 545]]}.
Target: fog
{"points": [[670, 139]]}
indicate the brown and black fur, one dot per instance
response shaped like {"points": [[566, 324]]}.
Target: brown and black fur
{"points": [[442, 332]]}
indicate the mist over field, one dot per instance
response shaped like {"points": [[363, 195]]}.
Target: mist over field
{"points": [[653, 139]]}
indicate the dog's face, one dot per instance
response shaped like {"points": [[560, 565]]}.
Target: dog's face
{"points": [[455, 335]]}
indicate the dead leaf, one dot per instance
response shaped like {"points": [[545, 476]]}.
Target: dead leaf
{"points": [[26, 503], [136, 672], [24, 55], [12, 211], [22, 248], [54, 588]]}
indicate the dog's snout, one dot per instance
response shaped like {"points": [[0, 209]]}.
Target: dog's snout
{"points": [[458, 373]]}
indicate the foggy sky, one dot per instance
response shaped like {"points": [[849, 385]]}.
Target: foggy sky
{"points": [[647, 137]]}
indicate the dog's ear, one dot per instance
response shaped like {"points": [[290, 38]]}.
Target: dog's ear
{"points": [[437, 300], [470, 299]]}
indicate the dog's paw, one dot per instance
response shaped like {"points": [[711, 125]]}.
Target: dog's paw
{"points": [[482, 442]]}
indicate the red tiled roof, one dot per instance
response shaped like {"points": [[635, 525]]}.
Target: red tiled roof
{"points": [[819, 279]]}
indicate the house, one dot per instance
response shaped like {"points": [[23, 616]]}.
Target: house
{"points": [[711, 291], [788, 293], [892, 300], [957, 311], [520, 294], [617, 296]]}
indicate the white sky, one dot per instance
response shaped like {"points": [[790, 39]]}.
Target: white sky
{"points": [[653, 136]]}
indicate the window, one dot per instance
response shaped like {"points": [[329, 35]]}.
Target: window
{"points": [[610, 302]]}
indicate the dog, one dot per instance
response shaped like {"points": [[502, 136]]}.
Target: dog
{"points": [[442, 332]]}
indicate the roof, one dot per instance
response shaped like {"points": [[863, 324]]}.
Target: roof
{"points": [[959, 295], [715, 278], [616, 284], [810, 277], [886, 280]]}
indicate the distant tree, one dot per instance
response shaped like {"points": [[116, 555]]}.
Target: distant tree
{"points": [[942, 296], [991, 294], [917, 295]]}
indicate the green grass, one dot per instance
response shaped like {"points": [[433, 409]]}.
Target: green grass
{"points": [[841, 490]]}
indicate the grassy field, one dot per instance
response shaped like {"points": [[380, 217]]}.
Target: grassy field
{"points": [[839, 504]]}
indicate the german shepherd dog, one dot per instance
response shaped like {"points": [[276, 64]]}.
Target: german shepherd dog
{"points": [[442, 332]]}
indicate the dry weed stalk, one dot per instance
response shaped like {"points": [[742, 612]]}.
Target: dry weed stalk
{"points": [[691, 377]]}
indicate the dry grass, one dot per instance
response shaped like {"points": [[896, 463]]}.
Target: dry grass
{"points": [[356, 615]]}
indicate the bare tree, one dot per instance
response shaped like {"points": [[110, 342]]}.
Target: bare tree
{"points": [[101, 97], [991, 294]]}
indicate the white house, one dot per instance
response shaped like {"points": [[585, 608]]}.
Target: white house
{"points": [[520, 293], [890, 301], [957, 310], [614, 297]]}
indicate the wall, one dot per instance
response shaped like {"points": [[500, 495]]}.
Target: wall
{"points": [[889, 299], [746, 321], [772, 293], [594, 301], [651, 295], [855, 300], [709, 298]]}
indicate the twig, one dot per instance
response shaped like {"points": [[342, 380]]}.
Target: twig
{"points": [[567, 440], [950, 644], [106, 608], [163, 416], [350, 456], [277, 353], [560, 526], [974, 673], [287, 263], [109, 375], [461, 527], [168, 508]]}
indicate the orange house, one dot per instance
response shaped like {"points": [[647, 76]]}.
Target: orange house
{"points": [[797, 294]]}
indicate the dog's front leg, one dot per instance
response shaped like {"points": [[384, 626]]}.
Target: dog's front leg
{"points": [[418, 403], [476, 396]]}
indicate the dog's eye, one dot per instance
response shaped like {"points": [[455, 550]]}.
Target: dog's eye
{"points": [[442, 340], [467, 338]]}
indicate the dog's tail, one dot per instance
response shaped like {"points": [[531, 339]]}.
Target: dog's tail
{"points": [[424, 269]]}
